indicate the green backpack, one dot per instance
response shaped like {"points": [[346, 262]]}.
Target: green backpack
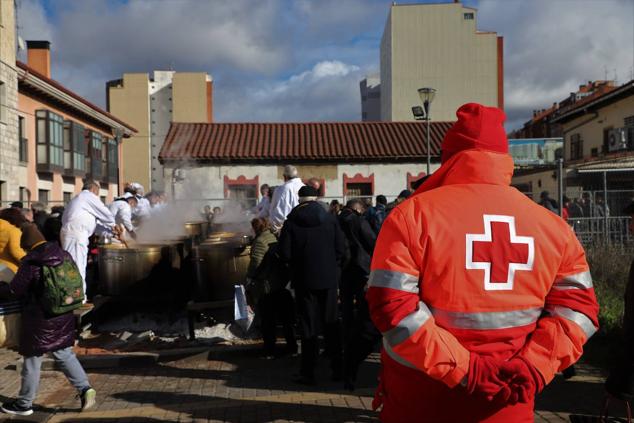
{"points": [[62, 288]]}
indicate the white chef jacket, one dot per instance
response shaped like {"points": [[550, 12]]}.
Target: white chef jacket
{"points": [[285, 198], [122, 213], [83, 214], [142, 210]]}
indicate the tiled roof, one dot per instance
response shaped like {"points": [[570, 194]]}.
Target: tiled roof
{"points": [[76, 96], [599, 99], [309, 142]]}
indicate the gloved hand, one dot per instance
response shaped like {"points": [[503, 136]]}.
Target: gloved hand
{"points": [[484, 378], [522, 378]]}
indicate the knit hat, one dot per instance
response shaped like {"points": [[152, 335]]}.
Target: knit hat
{"points": [[31, 235], [478, 126], [308, 191]]}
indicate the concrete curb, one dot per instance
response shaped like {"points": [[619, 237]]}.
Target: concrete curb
{"points": [[144, 359]]}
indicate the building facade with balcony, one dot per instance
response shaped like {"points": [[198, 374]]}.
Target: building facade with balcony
{"points": [[63, 138]]}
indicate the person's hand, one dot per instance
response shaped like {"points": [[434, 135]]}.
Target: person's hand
{"points": [[484, 379], [522, 378]]}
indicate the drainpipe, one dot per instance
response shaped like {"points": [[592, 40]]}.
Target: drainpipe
{"points": [[605, 206]]}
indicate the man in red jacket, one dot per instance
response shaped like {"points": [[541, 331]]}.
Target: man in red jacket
{"points": [[481, 294]]}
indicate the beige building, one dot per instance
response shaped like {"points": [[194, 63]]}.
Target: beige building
{"points": [[438, 46], [9, 161], [150, 105], [599, 139]]}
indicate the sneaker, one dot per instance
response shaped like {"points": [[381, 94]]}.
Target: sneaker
{"points": [[88, 399], [14, 408]]}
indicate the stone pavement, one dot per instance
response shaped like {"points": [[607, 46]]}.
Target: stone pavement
{"points": [[240, 387]]}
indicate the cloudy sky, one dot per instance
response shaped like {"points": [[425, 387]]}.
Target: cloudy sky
{"points": [[301, 60]]}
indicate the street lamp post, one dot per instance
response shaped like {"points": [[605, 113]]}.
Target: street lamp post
{"points": [[427, 96]]}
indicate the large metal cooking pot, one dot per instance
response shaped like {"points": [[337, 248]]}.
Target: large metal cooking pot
{"points": [[197, 230], [135, 269], [218, 266]]}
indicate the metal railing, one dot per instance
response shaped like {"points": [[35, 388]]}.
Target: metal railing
{"points": [[599, 230]]}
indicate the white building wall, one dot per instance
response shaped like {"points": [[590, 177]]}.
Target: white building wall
{"points": [[205, 185]]}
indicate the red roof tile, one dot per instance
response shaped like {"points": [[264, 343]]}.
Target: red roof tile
{"points": [[76, 96], [310, 142]]}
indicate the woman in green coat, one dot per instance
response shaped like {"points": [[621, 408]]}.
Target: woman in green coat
{"points": [[267, 280]]}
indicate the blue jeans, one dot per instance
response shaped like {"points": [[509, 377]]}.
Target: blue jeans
{"points": [[69, 364]]}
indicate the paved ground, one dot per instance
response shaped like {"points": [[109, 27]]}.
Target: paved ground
{"points": [[240, 387]]}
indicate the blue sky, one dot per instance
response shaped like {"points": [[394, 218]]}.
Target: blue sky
{"points": [[301, 60]]}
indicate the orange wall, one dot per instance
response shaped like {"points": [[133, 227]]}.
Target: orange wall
{"points": [[27, 105]]}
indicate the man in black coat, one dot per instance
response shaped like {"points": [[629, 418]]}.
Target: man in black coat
{"points": [[360, 335], [312, 244]]}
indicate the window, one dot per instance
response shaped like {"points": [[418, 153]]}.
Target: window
{"points": [[358, 186], [24, 143], [363, 189], [113, 160], [93, 163], [3, 102], [74, 149], [24, 194], [469, 16], [576, 147], [594, 152], [42, 196], [104, 160], [628, 121], [242, 190], [67, 197], [50, 141]]}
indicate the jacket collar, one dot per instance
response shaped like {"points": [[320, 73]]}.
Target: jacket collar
{"points": [[472, 167]]}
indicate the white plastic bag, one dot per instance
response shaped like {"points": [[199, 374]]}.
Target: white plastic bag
{"points": [[242, 313]]}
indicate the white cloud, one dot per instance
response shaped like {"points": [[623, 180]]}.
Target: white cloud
{"points": [[327, 92], [552, 47]]}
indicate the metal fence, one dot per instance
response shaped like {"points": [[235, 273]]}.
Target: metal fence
{"points": [[612, 230]]}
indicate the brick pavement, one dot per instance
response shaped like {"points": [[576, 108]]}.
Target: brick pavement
{"points": [[240, 387]]}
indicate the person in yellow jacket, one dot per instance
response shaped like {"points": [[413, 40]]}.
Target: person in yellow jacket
{"points": [[10, 251]]}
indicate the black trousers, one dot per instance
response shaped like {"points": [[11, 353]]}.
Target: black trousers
{"points": [[318, 314], [277, 307], [360, 334]]}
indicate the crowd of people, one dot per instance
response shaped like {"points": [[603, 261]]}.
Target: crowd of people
{"points": [[576, 208], [485, 326], [324, 250], [36, 246]]}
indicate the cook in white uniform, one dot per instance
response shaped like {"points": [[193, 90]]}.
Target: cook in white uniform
{"points": [[142, 210], [84, 214], [121, 208], [285, 197]]}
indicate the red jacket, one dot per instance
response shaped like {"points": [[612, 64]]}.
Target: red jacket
{"points": [[470, 264]]}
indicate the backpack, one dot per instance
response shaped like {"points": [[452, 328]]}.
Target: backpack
{"points": [[62, 288]]}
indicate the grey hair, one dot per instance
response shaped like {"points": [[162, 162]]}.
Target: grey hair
{"points": [[88, 185], [37, 206], [290, 171]]}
